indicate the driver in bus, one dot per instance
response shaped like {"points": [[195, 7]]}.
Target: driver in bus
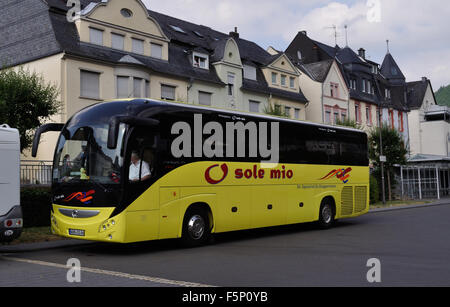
{"points": [[135, 167]]}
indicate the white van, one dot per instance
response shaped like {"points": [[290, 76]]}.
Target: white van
{"points": [[11, 221]]}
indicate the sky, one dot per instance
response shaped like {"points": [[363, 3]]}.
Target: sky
{"points": [[415, 28]]}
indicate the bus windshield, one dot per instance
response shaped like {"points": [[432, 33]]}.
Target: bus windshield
{"points": [[83, 155]]}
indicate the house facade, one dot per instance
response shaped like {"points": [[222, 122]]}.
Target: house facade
{"points": [[115, 49], [374, 98]]}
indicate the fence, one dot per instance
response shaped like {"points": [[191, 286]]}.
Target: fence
{"points": [[418, 182], [36, 172]]}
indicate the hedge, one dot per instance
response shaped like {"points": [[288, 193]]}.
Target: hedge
{"points": [[36, 206]]}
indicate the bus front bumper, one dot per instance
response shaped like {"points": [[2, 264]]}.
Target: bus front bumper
{"points": [[92, 224]]}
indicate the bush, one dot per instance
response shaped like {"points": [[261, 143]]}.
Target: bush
{"points": [[36, 206], [374, 190]]}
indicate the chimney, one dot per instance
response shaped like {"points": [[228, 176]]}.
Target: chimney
{"points": [[235, 34], [424, 79], [304, 33], [362, 53]]}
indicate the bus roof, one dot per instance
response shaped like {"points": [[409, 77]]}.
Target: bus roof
{"points": [[228, 112]]}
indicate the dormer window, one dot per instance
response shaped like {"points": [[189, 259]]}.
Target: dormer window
{"points": [[200, 60], [249, 72], [178, 29]]}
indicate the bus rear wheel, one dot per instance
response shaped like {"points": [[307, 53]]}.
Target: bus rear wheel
{"points": [[326, 214], [196, 230]]}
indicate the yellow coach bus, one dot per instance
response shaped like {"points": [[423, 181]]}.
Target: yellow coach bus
{"points": [[141, 170]]}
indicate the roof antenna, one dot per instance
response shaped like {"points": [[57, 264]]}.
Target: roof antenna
{"points": [[387, 43], [334, 27], [346, 36]]}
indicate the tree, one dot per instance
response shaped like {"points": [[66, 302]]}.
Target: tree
{"points": [[393, 148], [26, 101], [275, 109]]}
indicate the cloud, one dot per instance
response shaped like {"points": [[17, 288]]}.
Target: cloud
{"points": [[417, 29]]}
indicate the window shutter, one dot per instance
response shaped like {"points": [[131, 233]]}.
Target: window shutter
{"points": [[117, 41], [168, 92], [156, 51], [90, 84], [204, 98], [122, 87]]}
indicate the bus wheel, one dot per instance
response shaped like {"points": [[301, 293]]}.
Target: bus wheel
{"points": [[326, 214], [196, 230]]}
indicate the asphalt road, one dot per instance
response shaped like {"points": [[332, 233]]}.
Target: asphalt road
{"points": [[412, 246]]}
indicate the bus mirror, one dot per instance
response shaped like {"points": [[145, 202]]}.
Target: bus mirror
{"points": [[41, 130], [114, 124]]}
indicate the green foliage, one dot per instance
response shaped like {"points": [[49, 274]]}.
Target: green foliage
{"points": [[276, 110], [36, 205], [393, 146], [26, 102], [394, 150], [374, 190], [443, 96], [348, 123]]}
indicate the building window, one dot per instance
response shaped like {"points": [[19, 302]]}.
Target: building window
{"points": [[299, 55], [90, 84], [122, 87], [400, 121], [287, 111], [358, 113], [230, 80], [274, 78], [167, 92], [96, 36], [353, 84], [137, 46], [283, 80], [156, 50], [117, 41], [204, 98], [391, 118], [387, 93], [343, 117], [254, 106], [200, 60], [336, 117], [297, 113], [369, 115], [327, 116], [292, 82], [334, 90], [147, 89], [249, 72], [137, 87], [363, 85]]}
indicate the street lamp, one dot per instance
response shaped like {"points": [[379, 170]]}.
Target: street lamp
{"points": [[382, 158]]}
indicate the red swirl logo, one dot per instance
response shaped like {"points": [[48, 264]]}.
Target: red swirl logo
{"points": [[208, 178]]}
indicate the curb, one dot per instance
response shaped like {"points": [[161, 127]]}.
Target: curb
{"points": [[32, 247], [440, 203]]}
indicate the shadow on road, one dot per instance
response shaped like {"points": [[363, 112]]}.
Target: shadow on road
{"points": [[216, 240]]}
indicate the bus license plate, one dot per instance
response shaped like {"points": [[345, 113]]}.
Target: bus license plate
{"points": [[76, 232]]}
